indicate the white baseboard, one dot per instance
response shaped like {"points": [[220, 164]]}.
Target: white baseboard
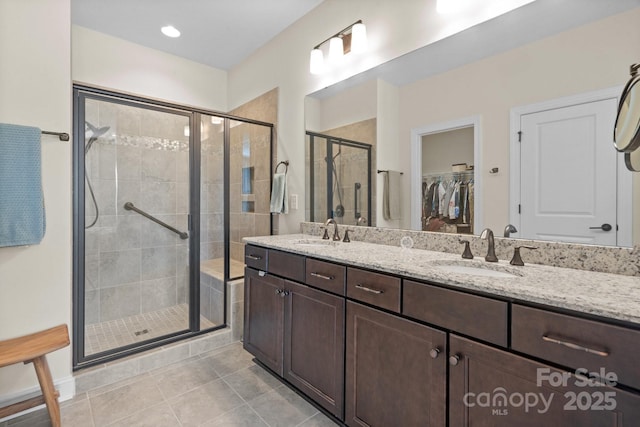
{"points": [[65, 386]]}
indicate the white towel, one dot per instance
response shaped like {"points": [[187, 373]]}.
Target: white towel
{"points": [[391, 196], [279, 194]]}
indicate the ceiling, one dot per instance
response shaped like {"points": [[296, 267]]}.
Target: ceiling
{"points": [[218, 33]]}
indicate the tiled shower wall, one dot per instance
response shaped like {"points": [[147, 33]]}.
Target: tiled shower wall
{"points": [[250, 147], [352, 166], [133, 265]]}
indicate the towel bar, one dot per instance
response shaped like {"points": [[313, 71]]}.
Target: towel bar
{"points": [[62, 135]]}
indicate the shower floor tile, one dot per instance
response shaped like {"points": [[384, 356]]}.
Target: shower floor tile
{"points": [[112, 334]]}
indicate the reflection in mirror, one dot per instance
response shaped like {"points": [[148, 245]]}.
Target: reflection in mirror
{"points": [[491, 73], [339, 180], [448, 196]]}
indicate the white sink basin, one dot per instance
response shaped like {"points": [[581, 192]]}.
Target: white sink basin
{"points": [[315, 243], [474, 271], [477, 269]]}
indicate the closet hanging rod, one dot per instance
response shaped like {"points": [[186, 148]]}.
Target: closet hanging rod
{"points": [[386, 170], [62, 135]]}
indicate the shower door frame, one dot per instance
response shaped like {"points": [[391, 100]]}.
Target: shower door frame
{"points": [[82, 92], [330, 140]]}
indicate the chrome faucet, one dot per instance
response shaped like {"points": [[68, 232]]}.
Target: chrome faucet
{"points": [[336, 236], [491, 251], [509, 229]]}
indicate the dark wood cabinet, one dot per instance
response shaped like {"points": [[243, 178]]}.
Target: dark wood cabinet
{"points": [[298, 332], [350, 340], [493, 388], [395, 371], [264, 318], [314, 345]]}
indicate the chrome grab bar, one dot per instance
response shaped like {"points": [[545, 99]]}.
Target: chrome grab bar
{"points": [[130, 207]]}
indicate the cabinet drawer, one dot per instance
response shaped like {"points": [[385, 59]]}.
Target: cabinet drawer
{"points": [[325, 275], [376, 289], [476, 316], [255, 257], [286, 265], [577, 343]]}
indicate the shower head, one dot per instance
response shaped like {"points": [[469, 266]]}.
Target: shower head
{"points": [[96, 133]]}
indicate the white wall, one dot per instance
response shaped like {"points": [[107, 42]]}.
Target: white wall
{"points": [[588, 58], [35, 90], [102, 60], [349, 106], [387, 154], [393, 29]]}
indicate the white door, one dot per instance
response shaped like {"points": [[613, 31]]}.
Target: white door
{"points": [[568, 174]]}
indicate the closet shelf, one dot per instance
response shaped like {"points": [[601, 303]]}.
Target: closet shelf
{"points": [[465, 174]]}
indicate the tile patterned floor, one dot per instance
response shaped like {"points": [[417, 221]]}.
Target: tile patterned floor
{"points": [[117, 333], [223, 388]]}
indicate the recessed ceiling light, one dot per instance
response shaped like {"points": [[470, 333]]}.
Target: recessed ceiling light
{"points": [[170, 31]]}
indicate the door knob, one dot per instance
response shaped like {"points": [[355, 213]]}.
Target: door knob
{"points": [[603, 227]]}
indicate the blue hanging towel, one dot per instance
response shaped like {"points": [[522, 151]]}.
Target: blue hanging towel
{"points": [[22, 217]]}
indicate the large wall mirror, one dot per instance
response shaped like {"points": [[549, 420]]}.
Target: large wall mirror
{"points": [[507, 79]]}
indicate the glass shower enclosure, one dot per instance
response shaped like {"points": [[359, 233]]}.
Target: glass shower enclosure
{"points": [[163, 195], [338, 180]]}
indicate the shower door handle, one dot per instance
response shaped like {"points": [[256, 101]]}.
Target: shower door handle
{"points": [[356, 193]]}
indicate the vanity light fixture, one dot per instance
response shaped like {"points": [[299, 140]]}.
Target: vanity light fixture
{"points": [[170, 31], [351, 39]]}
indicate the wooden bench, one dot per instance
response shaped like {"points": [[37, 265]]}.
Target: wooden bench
{"points": [[33, 349]]}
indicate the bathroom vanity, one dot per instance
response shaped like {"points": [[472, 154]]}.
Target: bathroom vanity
{"points": [[383, 336]]}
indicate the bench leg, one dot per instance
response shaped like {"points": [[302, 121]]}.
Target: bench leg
{"points": [[48, 390]]}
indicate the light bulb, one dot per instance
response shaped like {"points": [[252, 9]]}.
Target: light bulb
{"points": [[170, 31], [336, 50], [316, 61], [358, 38]]}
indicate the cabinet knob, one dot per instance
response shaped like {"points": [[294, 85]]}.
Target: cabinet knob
{"points": [[453, 360], [434, 352], [278, 291]]}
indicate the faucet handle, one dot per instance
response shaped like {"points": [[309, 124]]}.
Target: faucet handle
{"points": [[346, 238], [467, 250], [325, 236], [517, 259]]}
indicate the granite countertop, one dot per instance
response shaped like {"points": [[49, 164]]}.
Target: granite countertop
{"points": [[602, 294]]}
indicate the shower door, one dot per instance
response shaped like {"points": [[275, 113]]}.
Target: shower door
{"points": [[339, 180], [163, 195], [134, 233]]}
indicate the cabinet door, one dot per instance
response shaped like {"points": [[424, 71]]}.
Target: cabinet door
{"points": [[263, 318], [493, 388], [395, 371], [314, 345]]}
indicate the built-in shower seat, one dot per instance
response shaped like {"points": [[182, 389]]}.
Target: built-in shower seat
{"points": [[33, 348]]}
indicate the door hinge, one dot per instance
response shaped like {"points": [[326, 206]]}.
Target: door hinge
{"points": [[519, 208], [519, 136]]}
